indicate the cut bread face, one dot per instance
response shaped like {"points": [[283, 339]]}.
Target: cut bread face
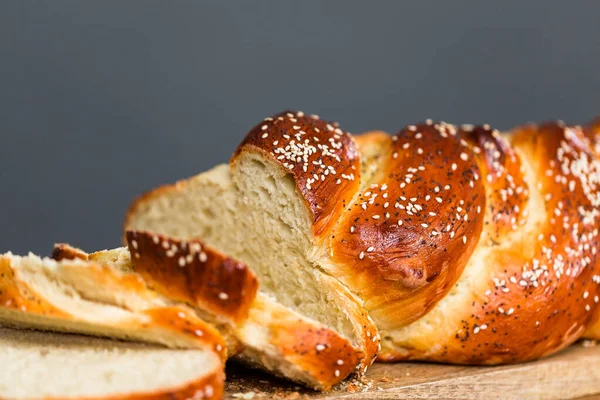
{"points": [[40, 365], [78, 296], [255, 215], [223, 291]]}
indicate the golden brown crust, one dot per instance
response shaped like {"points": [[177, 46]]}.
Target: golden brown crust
{"points": [[406, 238], [64, 251], [507, 192], [542, 289], [592, 132], [322, 158], [192, 272], [317, 351], [180, 321]]}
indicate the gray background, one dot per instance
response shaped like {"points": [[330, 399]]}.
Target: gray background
{"points": [[102, 100]]}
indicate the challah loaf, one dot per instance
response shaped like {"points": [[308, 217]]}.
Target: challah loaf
{"points": [[38, 365], [223, 292], [76, 296], [464, 246]]}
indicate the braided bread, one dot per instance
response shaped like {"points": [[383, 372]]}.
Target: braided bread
{"points": [[461, 244]]}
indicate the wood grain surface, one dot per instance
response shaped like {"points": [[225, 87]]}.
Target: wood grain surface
{"points": [[572, 373]]}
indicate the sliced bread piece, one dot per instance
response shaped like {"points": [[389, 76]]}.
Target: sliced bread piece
{"points": [[77, 296], [39, 365], [273, 336]]}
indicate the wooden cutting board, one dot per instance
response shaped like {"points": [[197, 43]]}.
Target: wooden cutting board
{"points": [[573, 373]]}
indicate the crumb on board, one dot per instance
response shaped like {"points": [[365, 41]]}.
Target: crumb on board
{"points": [[589, 343], [245, 396]]}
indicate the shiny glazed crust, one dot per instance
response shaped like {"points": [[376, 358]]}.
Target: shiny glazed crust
{"points": [[194, 273], [541, 282]]}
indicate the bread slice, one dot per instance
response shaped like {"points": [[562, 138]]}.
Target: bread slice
{"points": [[77, 296], [273, 336], [38, 365]]}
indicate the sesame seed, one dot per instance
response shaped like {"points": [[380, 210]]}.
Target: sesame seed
{"points": [[320, 347], [223, 296], [370, 249], [181, 314], [510, 311], [399, 222], [464, 156], [134, 244], [264, 127], [361, 255], [198, 332], [202, 256], [464, 239], [585, 295], [265, 135], [181, 261], [424, 225]]}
